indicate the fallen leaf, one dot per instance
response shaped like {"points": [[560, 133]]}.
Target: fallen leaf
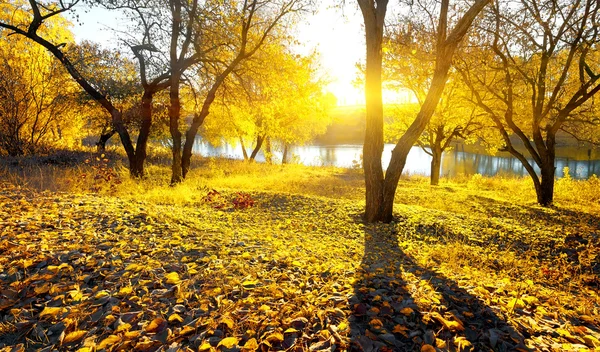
{"points": [[109, 341], [74, 336], [229, 342]]}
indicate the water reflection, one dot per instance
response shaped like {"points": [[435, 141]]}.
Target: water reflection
{"points": [[454, 163]]}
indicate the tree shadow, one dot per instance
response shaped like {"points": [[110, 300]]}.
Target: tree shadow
{"points": [[582, 236], [399, 305]]}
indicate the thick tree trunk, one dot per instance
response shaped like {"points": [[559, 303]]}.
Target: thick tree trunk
{"points": [[268, 151], [142, 141], [286, 150], [436, 164], [545, 194], [373, 145], [174, 112], [244, 152], [259, 142]]}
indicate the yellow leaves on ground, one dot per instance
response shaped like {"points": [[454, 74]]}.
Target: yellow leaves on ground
{"points": [[175, 318], [229, 342], [250, 345], [255, 281], [52, 312], [275, 337], [155, 325], [452, 325], [108, 342], [516, 303], [172, 278], [74, 336], [123, 328]]}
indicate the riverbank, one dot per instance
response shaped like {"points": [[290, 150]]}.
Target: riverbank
{"points": [[275, 257]]}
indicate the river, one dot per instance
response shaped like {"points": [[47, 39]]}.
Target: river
{"points": [[456, 162]]}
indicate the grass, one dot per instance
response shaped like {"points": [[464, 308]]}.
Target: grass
{"points": [[472, 264]]}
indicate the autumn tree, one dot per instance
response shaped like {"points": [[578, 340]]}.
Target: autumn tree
{"points": [[409, 61], [112, 72], [535, 73], [380, 187], [35, 93], [28, 19], [275, 96], [247, 24]]}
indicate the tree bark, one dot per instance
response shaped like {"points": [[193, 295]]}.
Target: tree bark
{"points": [[259, 142], [286, 149], [142, 141], [174, 112], [104, 138], [244, 152], [380, 191], [374, 16], [268, 151], [436, 164]]}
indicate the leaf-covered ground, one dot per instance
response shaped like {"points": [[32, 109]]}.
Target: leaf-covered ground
{"points": [[83, 272]]}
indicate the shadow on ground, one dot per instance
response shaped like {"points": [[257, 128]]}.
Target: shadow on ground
{"points": [[399, 305]]}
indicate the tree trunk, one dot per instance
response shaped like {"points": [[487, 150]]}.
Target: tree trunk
{"points": [[174, 112], [142, 141], [244, 152], [545, 192], [373, 145], [259, 142], [104, 138], [286, 149], [268, 152], [436, 164]]}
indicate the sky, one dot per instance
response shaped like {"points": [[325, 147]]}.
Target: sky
{"points": [[336, 33]]}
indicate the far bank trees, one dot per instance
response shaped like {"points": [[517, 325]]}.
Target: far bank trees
{"points": [[273, 99], [534, 69]]}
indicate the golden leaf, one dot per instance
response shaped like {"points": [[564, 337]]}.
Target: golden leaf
{"points": [[228, 321], [123, 327], [173, 278], [52, 311], [175, 317], [251, 345], [516, 303], [275, 337], [204, 347], [229, 342], [130, 335], [109, 341], [155, 325], [74, 336]]}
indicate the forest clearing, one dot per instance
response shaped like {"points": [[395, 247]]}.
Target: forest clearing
{"points": [[119, 231], [248, 257]]}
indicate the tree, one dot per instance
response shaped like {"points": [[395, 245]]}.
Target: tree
{"points": [[113, 73], [275, 96], [35, 94], [535, 74], [409, 60], [380, 188], [247, 25], [27, 21]]}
